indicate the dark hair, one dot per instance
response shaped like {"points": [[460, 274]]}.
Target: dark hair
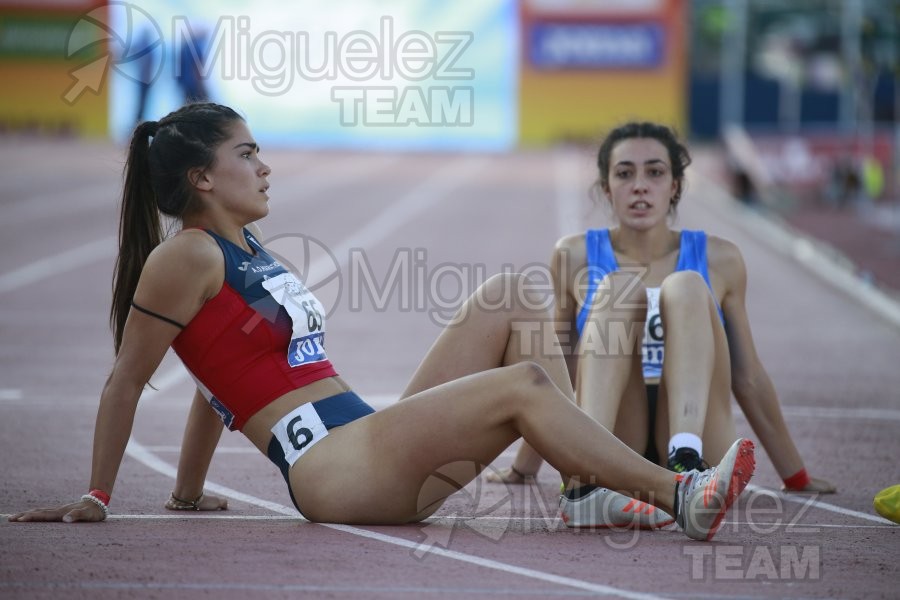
{"points": [[156, 180], [678, 154]]}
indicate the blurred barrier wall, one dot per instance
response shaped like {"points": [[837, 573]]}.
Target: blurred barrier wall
{"points": [[39, 91], [588, 65]]}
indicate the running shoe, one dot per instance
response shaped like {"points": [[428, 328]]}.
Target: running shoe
{"points": [[887, 503], [604, 508], [703, 497]]}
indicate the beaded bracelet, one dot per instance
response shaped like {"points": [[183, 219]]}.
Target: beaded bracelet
{"points": [[98, 502]]}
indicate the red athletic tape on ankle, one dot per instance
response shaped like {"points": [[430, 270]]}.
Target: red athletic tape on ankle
{"points": [[797, 481]]}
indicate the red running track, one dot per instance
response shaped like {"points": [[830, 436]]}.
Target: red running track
{"points": [[454, 219]]}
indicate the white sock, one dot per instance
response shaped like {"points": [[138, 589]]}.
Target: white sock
{"points": [[686, 440]]}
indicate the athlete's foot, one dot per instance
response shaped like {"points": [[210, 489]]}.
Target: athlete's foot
{"points": [[603, 508], [508, 475], [703, 497], [815, 486]]}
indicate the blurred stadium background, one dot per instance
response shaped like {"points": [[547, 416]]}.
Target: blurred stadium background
{"points": [[795, 104]]}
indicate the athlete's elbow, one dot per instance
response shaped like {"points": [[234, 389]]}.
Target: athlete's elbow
{"points": [[746, 386]]}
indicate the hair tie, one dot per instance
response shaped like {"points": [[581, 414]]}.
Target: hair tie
{"points": [[149, 127]]}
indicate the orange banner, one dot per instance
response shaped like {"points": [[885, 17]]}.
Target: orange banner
{"points": [[44, 90], [589, 65]]}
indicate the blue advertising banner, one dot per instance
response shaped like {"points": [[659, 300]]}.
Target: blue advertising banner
{"points": [[398, 74], [596, 46]]}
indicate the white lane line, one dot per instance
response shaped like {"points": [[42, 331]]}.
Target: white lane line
{"points": [[140, 453], [177, 374], [816, 256], [429, 192], [61, 203], [247, 450], [818, 504], [816, 412], [548, 521], [350, 591], [807, 526], [807, 412], [58, 263], [219, 449], [335, 173]]}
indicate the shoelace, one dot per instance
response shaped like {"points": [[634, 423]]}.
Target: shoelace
{"points": [[684, 461], [691, 481]]}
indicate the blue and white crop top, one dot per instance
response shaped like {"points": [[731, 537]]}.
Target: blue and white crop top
{"points": [[601, 261]]}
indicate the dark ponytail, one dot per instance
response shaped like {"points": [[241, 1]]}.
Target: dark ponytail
{"points": [[156, 180]]}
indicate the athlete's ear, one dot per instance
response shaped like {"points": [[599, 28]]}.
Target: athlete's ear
{"points": [[200, 179]]}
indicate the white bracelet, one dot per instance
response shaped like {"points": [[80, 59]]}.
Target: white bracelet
{"points": [[98, 502]]}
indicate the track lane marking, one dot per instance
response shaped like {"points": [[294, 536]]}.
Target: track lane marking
{"points": [[818, 504], [57, 264], [140, 453], [356, 591]]}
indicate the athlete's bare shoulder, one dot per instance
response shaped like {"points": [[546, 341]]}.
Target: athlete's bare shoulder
{"points": [[192, 245], [725, 261], [571, 248], [721, 252], [190, 259]]}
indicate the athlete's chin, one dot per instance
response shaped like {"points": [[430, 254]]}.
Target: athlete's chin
{"points": [[641, 224]]}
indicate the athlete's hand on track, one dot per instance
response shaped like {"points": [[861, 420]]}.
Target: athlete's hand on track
{"points": [[815, 486], [83, 511]]}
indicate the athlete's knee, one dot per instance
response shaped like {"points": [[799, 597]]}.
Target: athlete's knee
{"points": [[517, 387], [686, 287], [530, 374]]}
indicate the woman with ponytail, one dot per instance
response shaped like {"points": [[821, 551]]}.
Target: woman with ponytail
{"points": [[252, 336]]}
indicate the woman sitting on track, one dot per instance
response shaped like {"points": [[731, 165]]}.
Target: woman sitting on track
{"points": [[252, 336], [616, 288]]}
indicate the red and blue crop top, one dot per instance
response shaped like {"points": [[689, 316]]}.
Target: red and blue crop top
{"points": [[259, 338]]}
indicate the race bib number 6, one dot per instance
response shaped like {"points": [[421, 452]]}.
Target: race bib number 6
{"points": [[298, 431]]}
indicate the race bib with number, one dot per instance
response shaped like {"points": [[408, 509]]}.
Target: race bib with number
{"points": [[307, 315], [653, 344], [298, 431]]}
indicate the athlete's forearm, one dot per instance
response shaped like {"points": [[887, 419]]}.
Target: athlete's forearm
{"points": [[760, 405], [201, 436], [115, 419]]}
